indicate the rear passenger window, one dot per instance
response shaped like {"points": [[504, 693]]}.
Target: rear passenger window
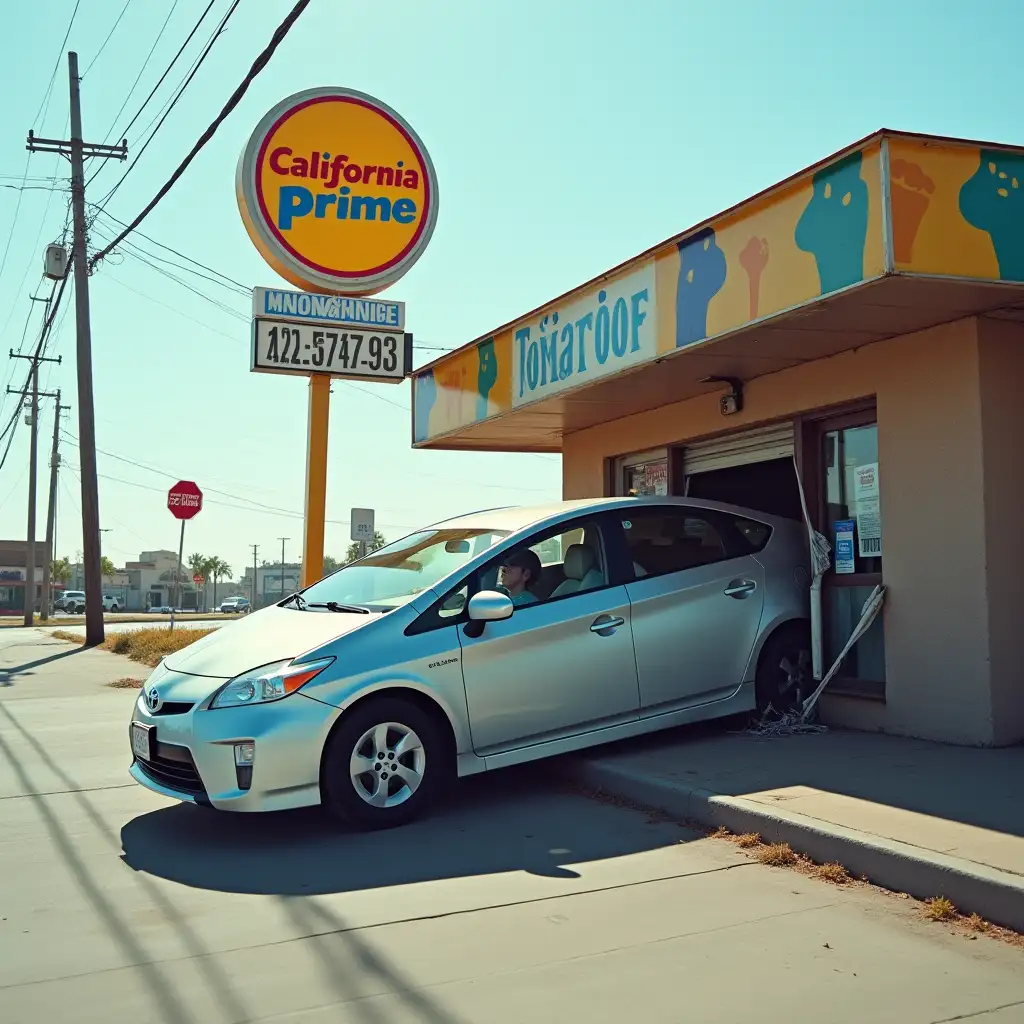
{"points": [[667, 540]]}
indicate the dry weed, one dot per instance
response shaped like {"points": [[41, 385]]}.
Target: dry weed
{"points": [[938, 908], [832, 872], [748, 840], [126, 683], [779, 855]]}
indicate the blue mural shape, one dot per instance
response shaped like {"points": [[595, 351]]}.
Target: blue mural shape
{"points": [[992, 200], [702, 271], [487, 375], [426, 395], [834, 225]]}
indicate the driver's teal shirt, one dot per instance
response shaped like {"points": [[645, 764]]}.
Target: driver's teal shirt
{"points": [[524, 597]]}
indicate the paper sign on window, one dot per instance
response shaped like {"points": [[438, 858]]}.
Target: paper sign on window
{"points": [[845, 564], [657, 478], [869, 515]]}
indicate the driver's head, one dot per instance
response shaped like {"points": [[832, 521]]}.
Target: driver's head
{"points": [[519, 571]]}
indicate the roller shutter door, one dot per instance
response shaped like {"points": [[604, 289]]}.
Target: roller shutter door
{"points": [[774, 442]]}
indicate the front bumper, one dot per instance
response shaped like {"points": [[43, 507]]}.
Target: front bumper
{"points": [[194, 758]]}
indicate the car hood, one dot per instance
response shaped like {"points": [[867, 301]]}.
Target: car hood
{"points": [[261, 638]]}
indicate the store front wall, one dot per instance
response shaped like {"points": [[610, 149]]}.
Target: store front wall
{"points": [[933, 405]]}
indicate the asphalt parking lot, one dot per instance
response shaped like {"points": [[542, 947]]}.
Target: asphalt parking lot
{"points": [[516, 901]]}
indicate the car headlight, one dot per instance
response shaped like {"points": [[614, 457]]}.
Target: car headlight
{"points": [[266, 684]]}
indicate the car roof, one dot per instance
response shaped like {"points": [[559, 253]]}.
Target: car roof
{"points": [[515, 518]]}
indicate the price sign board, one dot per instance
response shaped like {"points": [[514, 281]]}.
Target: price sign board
{"points": [[351, 353]]}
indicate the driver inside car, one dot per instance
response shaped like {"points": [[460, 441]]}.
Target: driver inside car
{"points": [[520, 570]]}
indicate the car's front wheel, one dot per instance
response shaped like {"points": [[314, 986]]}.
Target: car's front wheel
{"points": [[384, 764]]}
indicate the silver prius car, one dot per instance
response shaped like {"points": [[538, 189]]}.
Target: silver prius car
{"points": [[484, 641]]}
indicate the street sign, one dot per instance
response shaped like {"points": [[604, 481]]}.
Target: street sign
{"points": [[197, 579], [280, 346], [184, 500], [361, 520], [328, 310]]}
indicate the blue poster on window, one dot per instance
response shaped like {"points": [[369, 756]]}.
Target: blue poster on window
{"points": [[844, 546]]}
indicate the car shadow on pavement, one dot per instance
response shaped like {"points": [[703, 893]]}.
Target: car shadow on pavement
{"points": [[512, 820]]}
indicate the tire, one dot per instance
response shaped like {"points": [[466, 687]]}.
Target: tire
{"points": [[785, 678], [360, 731]]}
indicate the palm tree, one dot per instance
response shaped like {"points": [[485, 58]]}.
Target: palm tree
{"points": [[219, 569], [353, 549], [60, 570], [198, 564]]}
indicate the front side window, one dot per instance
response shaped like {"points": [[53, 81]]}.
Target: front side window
{"points": [[396, 573]]}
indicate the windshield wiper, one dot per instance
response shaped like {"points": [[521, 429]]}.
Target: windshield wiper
{"points": [[333, 606], [297, 598]]}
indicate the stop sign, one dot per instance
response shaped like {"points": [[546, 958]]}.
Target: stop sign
{"points": [[184, 499], [197, 579]]}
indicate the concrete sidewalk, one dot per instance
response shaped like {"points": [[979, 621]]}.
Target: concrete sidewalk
{"points": [[915, 817]]}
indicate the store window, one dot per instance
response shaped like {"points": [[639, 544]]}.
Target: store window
{"points": [[851, 514], [642, 474]]}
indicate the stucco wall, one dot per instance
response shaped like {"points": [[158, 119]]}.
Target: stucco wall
{"points": [[1001, 360], [930, 430]]}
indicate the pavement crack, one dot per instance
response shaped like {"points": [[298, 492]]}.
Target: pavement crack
{"points": [[66, 792], [974, 1015]]}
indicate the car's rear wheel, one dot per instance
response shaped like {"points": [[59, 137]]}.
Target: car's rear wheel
{"points": [[785, 678], [384, 764]]}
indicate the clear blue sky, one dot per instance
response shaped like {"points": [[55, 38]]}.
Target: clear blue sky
{"points": [[568, 135]]}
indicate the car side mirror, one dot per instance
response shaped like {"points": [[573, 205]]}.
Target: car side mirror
{"points": [[487, 606]]}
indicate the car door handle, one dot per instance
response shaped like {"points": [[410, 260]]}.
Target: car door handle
{"points": [[605, 625], [740, 589]]}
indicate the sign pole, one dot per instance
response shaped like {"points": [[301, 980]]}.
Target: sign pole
{"points": [[316, 479], [181, 551]]}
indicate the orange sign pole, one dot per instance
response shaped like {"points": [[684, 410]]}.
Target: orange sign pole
{"points": [[316, 479]]}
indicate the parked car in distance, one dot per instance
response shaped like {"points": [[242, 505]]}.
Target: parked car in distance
{"points": [[162, 609], [111, 604], [483, 641], [234, 605], [71, 601]]}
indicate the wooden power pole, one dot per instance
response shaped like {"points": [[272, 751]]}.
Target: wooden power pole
{"points": [[77, 151]]}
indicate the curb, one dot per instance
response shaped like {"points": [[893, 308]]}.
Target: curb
{"points": [[998, 896]]}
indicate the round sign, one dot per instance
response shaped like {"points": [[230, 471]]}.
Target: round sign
{"points": [[337, 192]]}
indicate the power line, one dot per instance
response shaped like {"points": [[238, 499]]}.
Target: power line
{"points": [[128, 95], [167, 70], [113, 29], [56, 64], [167, 108], [258, 65]]}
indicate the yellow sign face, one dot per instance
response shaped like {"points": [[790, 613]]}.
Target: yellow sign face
{"points": [[337, 192]]}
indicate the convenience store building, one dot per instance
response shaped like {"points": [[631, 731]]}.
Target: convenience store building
{"points": [[864, 318]]}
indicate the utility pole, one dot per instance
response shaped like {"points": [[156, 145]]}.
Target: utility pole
{"points": [[30, 549], [255, 548], [51, 512], [282, 540], [77, 151]]}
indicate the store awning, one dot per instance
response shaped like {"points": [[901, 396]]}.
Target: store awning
{"points": [[897, 234]]}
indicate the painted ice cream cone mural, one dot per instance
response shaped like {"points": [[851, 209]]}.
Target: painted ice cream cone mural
{"points": [[912, 192], [753, 259]]}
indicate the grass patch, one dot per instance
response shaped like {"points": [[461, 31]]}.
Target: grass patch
{"points": [[832, 872], [146, 646], [126, 683], [748, 840], [777, 855], [977, 923], [938, 908]]}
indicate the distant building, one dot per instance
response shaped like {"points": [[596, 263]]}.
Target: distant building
{"points": [[269, 583], [12, 576]]}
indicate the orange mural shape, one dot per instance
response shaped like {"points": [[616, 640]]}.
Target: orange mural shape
{"points": [[912, 192], [753, 259]]}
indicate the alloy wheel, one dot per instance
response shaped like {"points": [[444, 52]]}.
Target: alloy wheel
{"points": [[387, 764]]}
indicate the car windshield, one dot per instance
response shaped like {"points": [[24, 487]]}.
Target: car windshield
{"points": [[396, 573]]}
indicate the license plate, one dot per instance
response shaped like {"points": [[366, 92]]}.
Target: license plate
{"points": [[141, 735]]}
